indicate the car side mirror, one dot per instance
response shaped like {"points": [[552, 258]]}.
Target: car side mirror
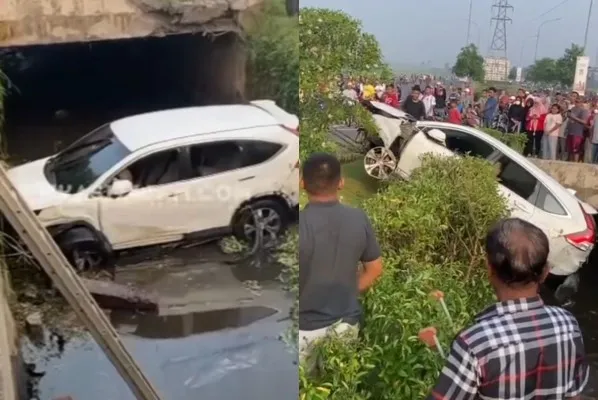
{"points": [[120, 188], [437, 135]]}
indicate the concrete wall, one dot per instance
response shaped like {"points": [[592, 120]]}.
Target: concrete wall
{"points": [[578, 176], [29, 22], [10, 360]]}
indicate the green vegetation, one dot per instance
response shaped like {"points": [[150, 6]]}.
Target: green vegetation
{"points": [[470, 63], [559, 71], [274, 57], [516, 141], [333, 44]]}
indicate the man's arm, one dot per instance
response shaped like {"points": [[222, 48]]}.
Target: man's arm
{"points": [[459, 378], [371, 259]]}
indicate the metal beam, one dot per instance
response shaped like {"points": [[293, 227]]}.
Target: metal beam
{"points": [[49, 256]]}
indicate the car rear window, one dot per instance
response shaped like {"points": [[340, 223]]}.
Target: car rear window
{"points": [[548, 202]]}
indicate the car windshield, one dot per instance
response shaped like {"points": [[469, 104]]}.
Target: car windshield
{"points": [[82, 163]]}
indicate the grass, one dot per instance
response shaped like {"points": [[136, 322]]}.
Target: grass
{"points": [[358, 185]]}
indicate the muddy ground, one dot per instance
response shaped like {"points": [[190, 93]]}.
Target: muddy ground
{"points": [[218, 335]]}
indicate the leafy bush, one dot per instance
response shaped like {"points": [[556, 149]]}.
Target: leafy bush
{"points": [[274, 57], [431, 230], [332, 44], [516, 141]]}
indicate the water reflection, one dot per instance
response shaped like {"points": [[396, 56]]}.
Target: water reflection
{"points": [[184, 356], [151, 326]]}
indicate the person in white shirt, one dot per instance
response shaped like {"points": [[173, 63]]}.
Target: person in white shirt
{"points": [[552, 126], [429, 101], [380, 90]]}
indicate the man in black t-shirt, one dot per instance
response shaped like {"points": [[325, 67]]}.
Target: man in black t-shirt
{"points": [[413, 104]]}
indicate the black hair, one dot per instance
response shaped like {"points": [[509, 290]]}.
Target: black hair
{"points": [[321, 173], [416, 87], [492, 89], [390, 85], [558, 106], [517, 251]]}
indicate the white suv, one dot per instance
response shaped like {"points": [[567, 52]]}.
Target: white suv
{"points": [[167, 176]]}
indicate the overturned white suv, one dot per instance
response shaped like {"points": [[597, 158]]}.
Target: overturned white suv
{"points": [[167, 176]]}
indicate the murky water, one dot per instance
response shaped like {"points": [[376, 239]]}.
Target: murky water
{"points": [[214, 338]]}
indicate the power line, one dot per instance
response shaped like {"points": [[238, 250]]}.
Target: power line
{"points": [[562, 3]]}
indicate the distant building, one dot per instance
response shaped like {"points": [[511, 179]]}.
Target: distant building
{"points": [[496, 69]]}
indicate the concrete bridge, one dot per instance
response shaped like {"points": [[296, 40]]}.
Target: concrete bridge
{"points": [[580, 177], [35, 22]]}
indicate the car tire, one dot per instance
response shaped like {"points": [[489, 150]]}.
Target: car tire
{"points": [[84, 256], [276, 222]]}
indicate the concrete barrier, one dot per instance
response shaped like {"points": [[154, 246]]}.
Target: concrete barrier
{"points": [[581, 177]]}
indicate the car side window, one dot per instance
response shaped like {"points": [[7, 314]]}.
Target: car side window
{"points": [[548, 202], [517, 179], [155, 169], [214, 158], [258, 151], [464, 143]]}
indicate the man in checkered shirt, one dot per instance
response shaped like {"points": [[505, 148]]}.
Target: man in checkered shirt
{"points": [[518, 348]]}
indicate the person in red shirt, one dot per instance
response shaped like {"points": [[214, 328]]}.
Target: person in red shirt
{"points": [[392, 97], [454, 116]]}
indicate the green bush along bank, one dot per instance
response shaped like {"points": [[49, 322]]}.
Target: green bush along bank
{"points": [[516, 141], [431, 231], [332, 44], [273, 67]]}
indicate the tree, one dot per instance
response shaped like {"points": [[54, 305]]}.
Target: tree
{"points": [[549, 70], [565, 66], [543, 70], [469, 63], [513, 73], [333, 45]]}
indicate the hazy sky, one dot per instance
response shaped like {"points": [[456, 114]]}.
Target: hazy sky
{"points": [[441, 27]]}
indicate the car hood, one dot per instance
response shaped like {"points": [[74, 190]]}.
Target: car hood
{"points": [[32, 185]]}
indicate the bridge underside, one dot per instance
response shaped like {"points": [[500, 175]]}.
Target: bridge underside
{"points": [[39, 22]]}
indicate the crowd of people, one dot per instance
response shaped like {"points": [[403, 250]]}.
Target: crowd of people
{"points": [[559, 126]]}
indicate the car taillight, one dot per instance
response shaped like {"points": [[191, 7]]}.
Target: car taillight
{"points": [[584, 240], [292, 130]]}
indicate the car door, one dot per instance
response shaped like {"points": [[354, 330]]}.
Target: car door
{"points": [[411, 155], [156, 211], [227, 173], [457, 142]]}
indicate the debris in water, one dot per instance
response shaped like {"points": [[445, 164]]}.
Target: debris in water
{"points": [[116, 296]]}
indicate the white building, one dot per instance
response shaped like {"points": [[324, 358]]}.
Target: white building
{"points": [[496, 68]]}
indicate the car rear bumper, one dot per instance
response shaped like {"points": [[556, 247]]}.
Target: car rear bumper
{"points": [[566, 259]]}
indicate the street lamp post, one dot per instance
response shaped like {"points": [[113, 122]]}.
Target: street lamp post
{"points": [[585, 39], [538, 35], [523, 48], [469, 22]]}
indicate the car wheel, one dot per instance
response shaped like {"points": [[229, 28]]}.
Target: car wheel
{"points": [[380, 163], [85, 256], [268, 216]]}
